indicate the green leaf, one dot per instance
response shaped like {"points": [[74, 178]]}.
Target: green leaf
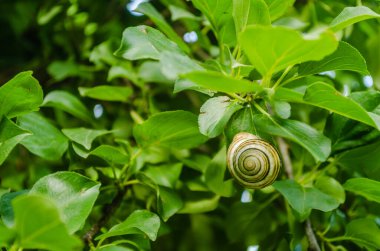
{"points": [[38, 225], [148, 9], [303, 199], [363, 232], [178, 129], [331, 187], [200, 205], [112, 247], [289, 95], [61, 70], [179, 13], [47, 141], [214, 175], [346, 57], [370, 189], [164, 175], [168, 202], [6, 209], [214, 10], [363, 159], [325, 96], [174, 64], [247, 12], [214, 115], [241, 121], [73, 194], [143, 42], [240, 218], [282, 109], [351, 15], [123, 71], [67, 102], [20, 95], [111, 154], [138, 222], [184, 84], [10, 136], [277, 8], [151, 72], [280, 47], [315, 142], [107, 93], [6, 236], [83, 136], [218, 82]]}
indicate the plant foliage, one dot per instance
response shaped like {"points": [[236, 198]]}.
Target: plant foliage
{"points": [[116, 140]]}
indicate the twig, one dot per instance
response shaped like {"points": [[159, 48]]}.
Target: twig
{"points": [[284, 149], [314, 246], [108, 211]]}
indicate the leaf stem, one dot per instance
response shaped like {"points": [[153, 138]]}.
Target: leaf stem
{"points": [[261, 109], [234, 95], [283, 75]]}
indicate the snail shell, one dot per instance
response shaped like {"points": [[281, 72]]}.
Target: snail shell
{"points": [[253, 162]]}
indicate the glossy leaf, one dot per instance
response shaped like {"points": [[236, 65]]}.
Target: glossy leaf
{"points": [[173, 64], [351, 15], [280, 47], [67, 102], [143, 42], [282, 109], [38, 225], [278, 7], [346, 57], [107, 93], [200, 205], [218, 12], [20, 95], [180, 13], [6, 236], [6, 209], [178, 129], [364, 232], [73, 194], [370, 189], [214, 175], [309, 138], [332, 187], [114, 248], [138, 222], [111, 154], [148, 9], [185, 84], [164, 175], [83, 136], [325, 96], [47, 141], [168, 202], [10, 136], [241, 121], [364, 159], [214, 115], [303, 199], [247, 12], [217, 82]]}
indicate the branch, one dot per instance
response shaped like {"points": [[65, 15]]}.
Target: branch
{"points": [[284, 150], [108, 212], [314, 246]]}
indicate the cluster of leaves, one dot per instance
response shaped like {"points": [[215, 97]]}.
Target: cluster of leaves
{"points": [[147, 162]]}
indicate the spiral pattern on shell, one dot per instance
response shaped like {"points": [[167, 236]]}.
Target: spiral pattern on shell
{"points": [[253, 162]]}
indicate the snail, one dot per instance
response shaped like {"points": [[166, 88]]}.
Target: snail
{"points": [[253, 162]]}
